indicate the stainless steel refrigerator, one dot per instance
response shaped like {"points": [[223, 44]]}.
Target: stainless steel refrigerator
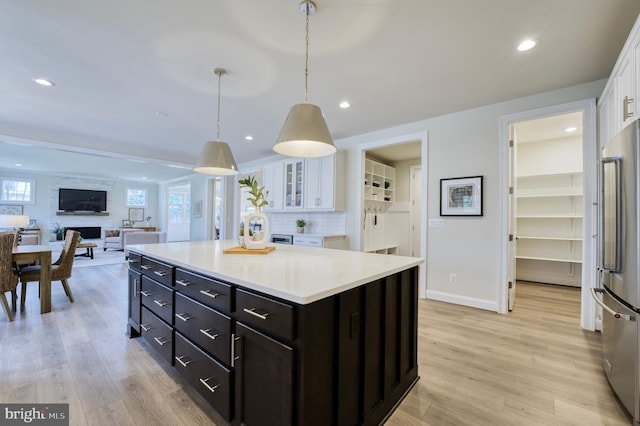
{"points": [[618, 265]]}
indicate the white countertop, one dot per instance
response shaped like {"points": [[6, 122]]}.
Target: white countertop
{"points": [[299, 274]]}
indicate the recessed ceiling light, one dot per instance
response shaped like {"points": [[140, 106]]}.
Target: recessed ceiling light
{"points": [[144, 178], [18, 165], [44, 82], [526, 45], [249, 137], [570, 129], [344, 104]]}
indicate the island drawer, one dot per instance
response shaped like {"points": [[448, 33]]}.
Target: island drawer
{"points": [[157, 270], [208, 291], [158, 334], [204, 326], [265, 313], [134, 261], [157, 298], [210, 378]]}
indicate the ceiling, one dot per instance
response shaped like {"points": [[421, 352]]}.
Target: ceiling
{"points": [[135, 79]]}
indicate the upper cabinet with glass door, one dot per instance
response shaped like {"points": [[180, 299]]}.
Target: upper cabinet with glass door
{"points": [[293, 184]]}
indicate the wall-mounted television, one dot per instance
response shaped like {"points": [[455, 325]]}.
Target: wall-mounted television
{"points": [[85, 200]]}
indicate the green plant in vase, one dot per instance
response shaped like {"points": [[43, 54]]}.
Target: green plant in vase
{"points": [[300, 224], [258, 194]]}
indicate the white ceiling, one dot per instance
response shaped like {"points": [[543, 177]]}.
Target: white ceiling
{"points": [[134, 79]]}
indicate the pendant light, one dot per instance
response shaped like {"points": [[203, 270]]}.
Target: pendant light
{"points": [[305, 132], [216, 157]]}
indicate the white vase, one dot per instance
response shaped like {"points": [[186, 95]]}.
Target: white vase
{"points": [[259, 239]]}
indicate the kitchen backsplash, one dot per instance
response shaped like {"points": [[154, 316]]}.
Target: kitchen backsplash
{"points": [[331, 223]]}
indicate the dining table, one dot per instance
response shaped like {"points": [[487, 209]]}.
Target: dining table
{"points": [[42, 254]]}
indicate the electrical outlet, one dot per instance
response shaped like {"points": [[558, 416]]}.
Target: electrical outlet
{"points": [[452, 278]]}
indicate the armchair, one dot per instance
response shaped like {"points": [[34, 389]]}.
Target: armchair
{"points": [[114, 237]]}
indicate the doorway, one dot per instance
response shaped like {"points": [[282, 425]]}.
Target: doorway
{"points": [[179, 213], [388, 222], [549, 216]]}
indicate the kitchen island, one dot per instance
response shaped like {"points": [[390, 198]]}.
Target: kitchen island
{"points": [[297, 336]]}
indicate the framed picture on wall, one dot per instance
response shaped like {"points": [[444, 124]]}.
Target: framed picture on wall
{"points": [[461, 196], [126, 223], [10, 209], [136, 214]]}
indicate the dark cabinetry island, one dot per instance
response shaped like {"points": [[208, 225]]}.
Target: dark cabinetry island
{"points": [[297, 337]]}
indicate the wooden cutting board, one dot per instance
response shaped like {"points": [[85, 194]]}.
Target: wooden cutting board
{"points": [[242, 250]]}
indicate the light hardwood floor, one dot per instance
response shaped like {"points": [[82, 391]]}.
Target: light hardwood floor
{"points": [[534, 366]]}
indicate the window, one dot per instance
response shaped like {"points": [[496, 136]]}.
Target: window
{"points": [[18, 190], [136, 197]]}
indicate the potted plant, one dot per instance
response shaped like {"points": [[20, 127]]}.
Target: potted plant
{"points": [[148, 219], [258, 194], [300, 223], [59, 231]]}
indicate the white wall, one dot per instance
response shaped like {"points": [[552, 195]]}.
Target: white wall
{"points": [[465, 143]]}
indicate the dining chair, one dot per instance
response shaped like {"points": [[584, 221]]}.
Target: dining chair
{"points": [[8, 275], [60, 269]]}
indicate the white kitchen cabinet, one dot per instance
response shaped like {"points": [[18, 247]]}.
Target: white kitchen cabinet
{"points": [[324, 178], [273, 181], [293, 184], [325, 241], [618, 105], [379, 181]]}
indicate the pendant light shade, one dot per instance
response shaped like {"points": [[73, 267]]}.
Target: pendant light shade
{"points": [[305, 132], [216, 157]]}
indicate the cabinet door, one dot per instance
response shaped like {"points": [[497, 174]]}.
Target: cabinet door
{"points": [[293, 184], [320, 190], [273, 181], [134, 302], [626, 85], [264, 379]]}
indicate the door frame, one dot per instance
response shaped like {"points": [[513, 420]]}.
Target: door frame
{"points": [[423, 138], [413, 218], [589, 224]]}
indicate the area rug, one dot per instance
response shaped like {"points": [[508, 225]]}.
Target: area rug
{"points": [[100, 258]]}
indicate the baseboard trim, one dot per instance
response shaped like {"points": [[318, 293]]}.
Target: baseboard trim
{"points": [[488, 305]]}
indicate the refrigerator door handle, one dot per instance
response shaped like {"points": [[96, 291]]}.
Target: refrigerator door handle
{"points": [[615, 314]]}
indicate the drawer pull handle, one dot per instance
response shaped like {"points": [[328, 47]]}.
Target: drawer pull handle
{"points": [[184, 364], [132, 261], [184, 283], [210, 293], [204, 382], [161, 340], [160, 303], [145, 327], [209, 335], [146, 267], [161, 273], [146, 293], [253, 312], [184, 317]]}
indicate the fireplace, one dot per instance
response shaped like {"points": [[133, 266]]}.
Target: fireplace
{"points": [[86, 232]]}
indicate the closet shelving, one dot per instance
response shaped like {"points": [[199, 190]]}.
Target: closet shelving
{"points": [[549, 224], [379, 181]]}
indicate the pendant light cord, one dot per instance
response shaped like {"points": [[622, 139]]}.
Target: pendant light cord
{"points": [[306, 59], [219, 80]]}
